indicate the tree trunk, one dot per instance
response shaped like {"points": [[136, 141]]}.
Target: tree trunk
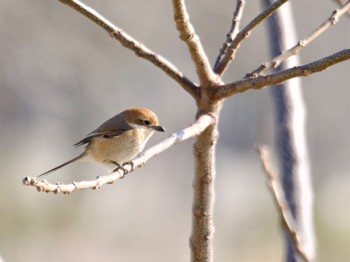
{"points": [[291, 138]]}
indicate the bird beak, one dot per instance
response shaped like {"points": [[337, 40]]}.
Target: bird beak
{"points": [[158, 128]]}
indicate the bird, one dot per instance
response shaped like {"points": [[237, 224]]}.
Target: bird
{"points": [[118, 140]]}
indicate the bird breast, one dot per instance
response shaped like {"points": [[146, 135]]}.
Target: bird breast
{"points": [[119, 149]]}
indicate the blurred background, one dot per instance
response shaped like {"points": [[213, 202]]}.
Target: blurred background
{"points": [[61, 76]]}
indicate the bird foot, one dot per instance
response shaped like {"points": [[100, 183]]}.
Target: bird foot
{"points": [[131, 164], [119, 167]]}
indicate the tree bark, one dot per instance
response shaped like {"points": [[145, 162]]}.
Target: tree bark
{"points": [[204, 151]]}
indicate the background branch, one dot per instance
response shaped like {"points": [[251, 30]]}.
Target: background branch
{"points": [[130, 43], [281, 203], [192, 131], [274, 63], [243, 34], [283, 75]]}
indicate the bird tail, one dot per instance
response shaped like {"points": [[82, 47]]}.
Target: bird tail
{"points": [[64, 164]]}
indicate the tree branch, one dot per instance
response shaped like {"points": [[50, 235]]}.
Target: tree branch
{"points": [[342, 3], [274, 63], [281, 203], [281, 76], [243, 34], [130, 43], [192, 131], [236, 20], [188, 35]]}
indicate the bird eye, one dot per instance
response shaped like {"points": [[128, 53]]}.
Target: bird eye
{"points": [[146, 122]]}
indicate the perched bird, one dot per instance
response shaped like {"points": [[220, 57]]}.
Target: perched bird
{"points": [[119, 139]]}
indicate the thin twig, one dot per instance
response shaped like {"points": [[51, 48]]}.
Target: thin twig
{"points": [[274, 63], [187, 34], [192, 131], [236, 20], [342, 3], [138, 48], [243, 34], [281, 76], [281, 203]]}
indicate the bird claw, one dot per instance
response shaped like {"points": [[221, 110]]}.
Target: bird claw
{"points": [[119, 167], [131, 164]]}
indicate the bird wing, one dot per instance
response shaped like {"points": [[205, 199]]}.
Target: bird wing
{"points": [[104, 134], [111, 128]]}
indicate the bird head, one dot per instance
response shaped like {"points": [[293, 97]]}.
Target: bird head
{"points": [[142, 118]]}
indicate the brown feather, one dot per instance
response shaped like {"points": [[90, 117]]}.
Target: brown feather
{"points": [[108, 129]]}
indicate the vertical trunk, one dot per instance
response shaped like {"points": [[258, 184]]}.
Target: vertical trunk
{"points": [[204, 197], [290, 137]]}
